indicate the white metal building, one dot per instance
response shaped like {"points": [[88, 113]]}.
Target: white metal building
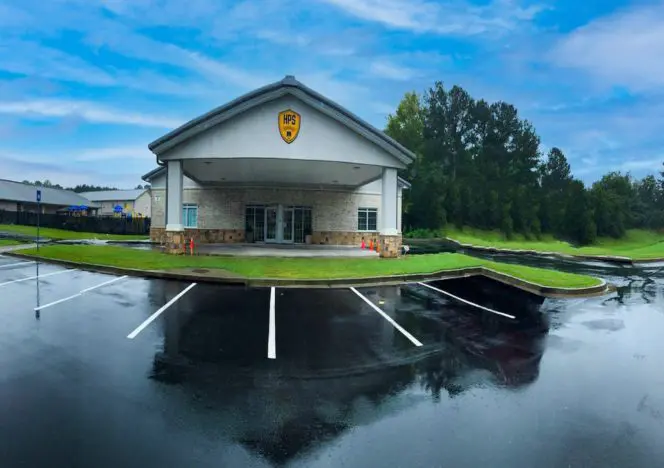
{"points": [[137, 202], [281, 164]]}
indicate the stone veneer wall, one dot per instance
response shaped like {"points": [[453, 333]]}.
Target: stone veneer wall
{"points": [[158, 234], [221, 213], [390, 246], [224, 208], [343, 237], [202, 236]]}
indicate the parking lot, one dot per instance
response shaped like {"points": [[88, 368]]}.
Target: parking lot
{"points": [[96, 366]]}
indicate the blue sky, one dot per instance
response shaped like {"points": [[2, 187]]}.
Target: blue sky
{"points": [[85, 85]]}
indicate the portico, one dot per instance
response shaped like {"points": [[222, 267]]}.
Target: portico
{"points": [[282, 164]]}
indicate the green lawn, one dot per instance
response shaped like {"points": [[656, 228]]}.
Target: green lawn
{"points": [[302, 268], [637, 244], [61, 234], [9, 242]]}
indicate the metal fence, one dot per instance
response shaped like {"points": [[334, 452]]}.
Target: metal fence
{"points": [[96, 224]]}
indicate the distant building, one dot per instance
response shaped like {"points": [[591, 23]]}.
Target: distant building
{"points": [[135, 202], [20, 197]]}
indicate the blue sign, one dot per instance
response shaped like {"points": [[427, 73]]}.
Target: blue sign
{"points": [[38, 195]]}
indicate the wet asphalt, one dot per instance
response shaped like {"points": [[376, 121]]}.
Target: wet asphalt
{"points": [[576, 382]]}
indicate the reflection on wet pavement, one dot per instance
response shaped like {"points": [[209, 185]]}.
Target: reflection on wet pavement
{"points": [[568, 383], [335, 363]]}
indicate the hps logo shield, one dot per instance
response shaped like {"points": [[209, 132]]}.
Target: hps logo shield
{"points": [[289, 125]]}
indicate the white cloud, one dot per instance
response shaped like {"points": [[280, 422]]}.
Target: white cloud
{"points": [[35, 60], [20, 168], [92, 112], [286, 38], [650, 164], [121, 39], [383, 108], [449, 18], [32, 59], [208, 66], [137, 152], [391, 71], [625, 48], [346, 93], [11, 17]]}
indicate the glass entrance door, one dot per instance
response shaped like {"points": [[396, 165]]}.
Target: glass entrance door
{"points": [[287, 224], [271, 224]]}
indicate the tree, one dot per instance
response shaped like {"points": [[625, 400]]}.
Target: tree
{"points": [[578, 226], [407, 124], [90, 188], [406, 127], [555, 178], [478, 164], [613, 198]]}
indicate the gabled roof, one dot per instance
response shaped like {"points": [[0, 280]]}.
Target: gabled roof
{"points": [[24, 193], [153, 173], [112, 195], [289, 85]]}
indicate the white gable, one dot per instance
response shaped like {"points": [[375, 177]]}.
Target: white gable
{"points": [[255, 134]]}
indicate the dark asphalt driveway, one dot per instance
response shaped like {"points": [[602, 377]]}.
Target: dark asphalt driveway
{"points": [[193, 385]]}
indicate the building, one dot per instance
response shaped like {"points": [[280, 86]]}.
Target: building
{"points": [[20, 197], [135, 202], [280, 164]]}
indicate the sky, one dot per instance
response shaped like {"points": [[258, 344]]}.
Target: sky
{"points": [[85, 85]]}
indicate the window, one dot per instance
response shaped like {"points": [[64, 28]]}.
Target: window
{"points": [[302, 223], [367, 219], [255, 223], [190, 215]]}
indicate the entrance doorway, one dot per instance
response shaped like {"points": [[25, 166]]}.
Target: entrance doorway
{"points": [[281, 224], [271, 222]]}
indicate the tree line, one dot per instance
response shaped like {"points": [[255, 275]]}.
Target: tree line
{"points": [[479, 164], [77, 188]]}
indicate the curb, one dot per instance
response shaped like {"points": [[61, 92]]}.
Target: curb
{"points": [[536, 289], [547, 291], [602, 258]]}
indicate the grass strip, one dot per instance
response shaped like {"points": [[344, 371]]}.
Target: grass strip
{"points": [[304, 268]]}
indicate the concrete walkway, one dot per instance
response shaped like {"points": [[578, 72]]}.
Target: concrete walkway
{"points": [[274, 250], [11, 248]]}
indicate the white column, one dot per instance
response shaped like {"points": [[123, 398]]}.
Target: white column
{"points": [[174, 196], [399, 209], [388, 215]]}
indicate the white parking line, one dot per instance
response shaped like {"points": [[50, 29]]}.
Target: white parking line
{"points": [[151, 318], [388, 318], [80, 293], [271, 338], [468, 302], [37, 277], [104, 284], [16, 264]]}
